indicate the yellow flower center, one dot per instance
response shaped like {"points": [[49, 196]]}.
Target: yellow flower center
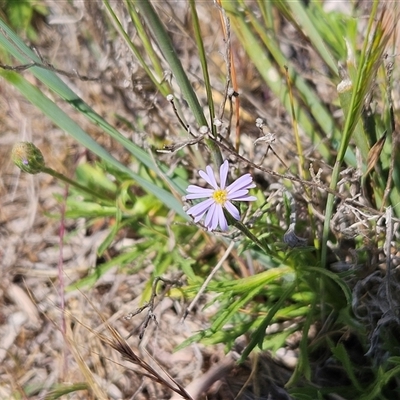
{"points": [[220, 196]]}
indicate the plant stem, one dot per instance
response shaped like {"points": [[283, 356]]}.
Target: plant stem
{"points": [[65, 179], [242, 228]]}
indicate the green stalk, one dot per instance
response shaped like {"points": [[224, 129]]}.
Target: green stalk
{"points": [[165, 44], [242, 228], [28, 158], [163, 88], [58, 175], [204, 66], [51, 110], [143, 35], [258, 336], [17, 48], [370, 59], [243, 23], [298, 10]]}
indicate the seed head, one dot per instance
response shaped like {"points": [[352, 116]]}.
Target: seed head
{"points": [[27, 157]]}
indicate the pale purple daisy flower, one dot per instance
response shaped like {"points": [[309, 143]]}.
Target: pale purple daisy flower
{"points": [[219, 197]]}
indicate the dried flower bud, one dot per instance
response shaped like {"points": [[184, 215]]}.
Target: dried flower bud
{"points": [[28, 157]]}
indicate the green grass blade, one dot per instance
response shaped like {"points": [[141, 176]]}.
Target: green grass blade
{"points": [[370, 60], [61, 119], [165, 44], [299, 10], [15, 46], [272, 76], [163, 87], [258, 336], [204, 66]]}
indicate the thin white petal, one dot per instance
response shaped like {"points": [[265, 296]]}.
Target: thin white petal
{"points": [[208, 222], [200, 194], [245, 198], [195, 189], [199, 217], [215, 216], [232, 210], [209, 177], [244, 182], [205, 177], [237, 194], [222, 220], [223, 173], [199, 209]]}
